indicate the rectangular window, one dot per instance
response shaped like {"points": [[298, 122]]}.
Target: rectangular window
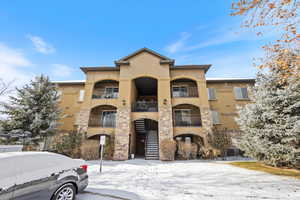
{"points": [[59, 94], [182, 117], [211, 93], [215, 117], [81, 95], [241, 93], [111, 92], [180, 91], [108, 118]]}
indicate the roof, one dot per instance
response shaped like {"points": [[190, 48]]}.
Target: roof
{"points": [[205, 67], [100, 68], [211, 80], [230, 80], [164, 59], [74, 82]]}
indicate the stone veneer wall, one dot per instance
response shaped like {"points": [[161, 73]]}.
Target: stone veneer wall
{"points": [[207, 124], [122, 134], [82, 119], [165, 126]]}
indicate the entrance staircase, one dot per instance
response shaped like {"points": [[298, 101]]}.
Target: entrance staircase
{"points": [[152, 146], [140, 126]]}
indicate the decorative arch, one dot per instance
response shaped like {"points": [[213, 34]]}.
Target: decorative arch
{"points": [[145, 76], [184, 77]]}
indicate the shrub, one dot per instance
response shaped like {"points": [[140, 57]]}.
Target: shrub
{"points": [[90, 150], [69, 144], [168, 148], [220, 140], [187, 151]]}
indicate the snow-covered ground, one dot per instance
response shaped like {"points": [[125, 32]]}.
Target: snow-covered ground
{"points": [[184, 180]]}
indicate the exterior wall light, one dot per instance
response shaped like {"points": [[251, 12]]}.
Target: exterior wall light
{"points": [[165, 101]]}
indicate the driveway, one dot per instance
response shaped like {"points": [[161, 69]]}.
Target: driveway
{"points": [[184, 180]]}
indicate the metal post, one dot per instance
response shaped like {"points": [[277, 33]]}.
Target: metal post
{"points": [[101, 157]]}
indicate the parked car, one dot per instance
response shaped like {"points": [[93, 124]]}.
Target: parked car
{"points": [[41, 176]]}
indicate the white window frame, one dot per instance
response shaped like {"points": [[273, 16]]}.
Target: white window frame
{"points": [[215, 114], [238, 93], [208, 93], [81, 95]]}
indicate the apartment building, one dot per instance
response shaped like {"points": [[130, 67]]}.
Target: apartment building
{"points": [[145, 99]]}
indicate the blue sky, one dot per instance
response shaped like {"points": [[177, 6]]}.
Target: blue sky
{"points": [[60, 36]]}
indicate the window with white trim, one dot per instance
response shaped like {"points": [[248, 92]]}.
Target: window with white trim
{"points": [[215, 117], [241, 93], [59, 94], [81, 95], [211, 93]]}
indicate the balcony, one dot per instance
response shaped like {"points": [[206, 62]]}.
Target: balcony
{"points": [[184, 88], [187, 120], [103, 116], [186, 115], [106, 89], [143, 106], [104, 94], [182, 92]]}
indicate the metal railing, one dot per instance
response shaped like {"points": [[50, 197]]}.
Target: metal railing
{"points": [[101, 94], [191, 92], [187, 120], [98, 122], [144, 106]]}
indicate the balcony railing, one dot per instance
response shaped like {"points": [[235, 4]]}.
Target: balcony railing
{"points": [[187, 120], [104, 123], [187, 92], [144, 107], [102, 94]]}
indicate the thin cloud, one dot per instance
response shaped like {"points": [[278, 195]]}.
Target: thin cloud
{"points": [[179, 44], [217, 36], [41, 45], [12, 67], [60, 70]]}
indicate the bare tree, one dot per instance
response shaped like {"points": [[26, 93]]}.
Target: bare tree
{"points": [[5, 87]]}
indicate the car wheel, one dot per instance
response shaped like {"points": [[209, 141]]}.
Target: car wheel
{"points": [[66, 192]]}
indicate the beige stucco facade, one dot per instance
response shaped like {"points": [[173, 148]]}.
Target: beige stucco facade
{"points": [[178, 101]]}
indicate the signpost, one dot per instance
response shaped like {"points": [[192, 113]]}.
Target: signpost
{"points": [[102, 143]]}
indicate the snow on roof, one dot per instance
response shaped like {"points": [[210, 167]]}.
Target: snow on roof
{"points": [[69, 82], [207, 79], [230, 79]]}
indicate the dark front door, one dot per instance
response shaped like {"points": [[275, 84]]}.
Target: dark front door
{"points": [[140, 145]]}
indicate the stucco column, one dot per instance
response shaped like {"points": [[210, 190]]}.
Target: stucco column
{"points": [[165, 122]]}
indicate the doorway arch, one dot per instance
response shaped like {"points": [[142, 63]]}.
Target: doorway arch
{"points": [[145, 132]]}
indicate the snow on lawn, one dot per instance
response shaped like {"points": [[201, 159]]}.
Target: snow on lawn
{"points": [[185, 180]]}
